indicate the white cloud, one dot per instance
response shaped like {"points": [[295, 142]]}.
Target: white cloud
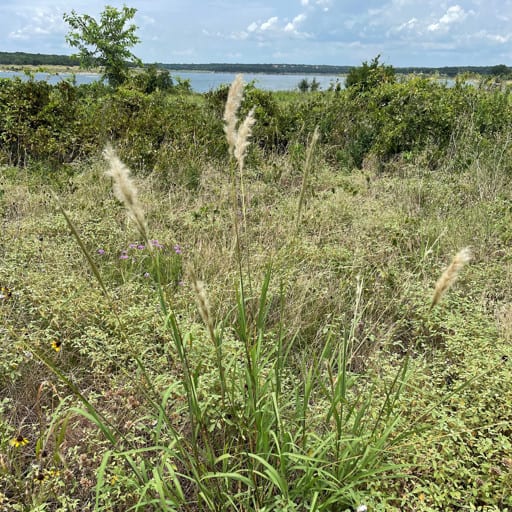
{"points": [[270, 23], [213, 34], [299, 19], [495, 38], [41, 23], [252, 27], [293, 25], [413, 22], [406, 28], [454, 14], [18, 34], [312, 4], [240, 36], [500, 39]]}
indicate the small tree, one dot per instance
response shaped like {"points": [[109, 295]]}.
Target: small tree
{"points": [[367, 76], [314, 85], [303, 85], [105, 43]]}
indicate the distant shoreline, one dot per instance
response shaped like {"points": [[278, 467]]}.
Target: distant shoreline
{"points": [[52, 69], [77, 70], [188, 68], [19, 61]]}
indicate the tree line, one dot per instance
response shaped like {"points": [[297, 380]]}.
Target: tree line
{"points": [[38, 59]]}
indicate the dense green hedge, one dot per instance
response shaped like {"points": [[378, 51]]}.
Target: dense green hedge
{"points": [[397, 118], [155, 131]]}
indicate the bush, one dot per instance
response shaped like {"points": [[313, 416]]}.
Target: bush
{"points": [[156, 122], [367, 76], [153, 79], [46, 123]]}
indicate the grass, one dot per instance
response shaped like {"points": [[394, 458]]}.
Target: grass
{"points": [[276, 349]]}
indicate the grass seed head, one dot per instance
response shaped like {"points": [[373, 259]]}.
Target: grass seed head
{"points": [[125, 189], [203, 304], [242, 138], [235, 95], [449, 276]]}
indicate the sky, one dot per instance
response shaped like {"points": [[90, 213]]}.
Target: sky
{"points": [[431, 33]]}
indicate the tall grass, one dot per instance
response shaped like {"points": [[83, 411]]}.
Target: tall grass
{"points": [[276, 435]]}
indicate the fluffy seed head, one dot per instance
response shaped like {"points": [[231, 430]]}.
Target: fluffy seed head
{"points": [[449, 276], [125, 189], [235, 95], [242, 138], [203, 305]]}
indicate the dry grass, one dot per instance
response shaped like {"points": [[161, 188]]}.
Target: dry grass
{"points": [[449, 276], [126, 191], [242, 139], [233, 103]]}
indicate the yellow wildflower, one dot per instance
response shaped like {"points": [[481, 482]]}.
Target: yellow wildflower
{"points": [[56, 345], [5, 293], [18, 441]]}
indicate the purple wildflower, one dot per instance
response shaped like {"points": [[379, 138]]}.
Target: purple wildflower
{"points": [[124, 255], [147, 274], [157, 244], [101, 251], [132, 246], [177, 249], [141, 247]]}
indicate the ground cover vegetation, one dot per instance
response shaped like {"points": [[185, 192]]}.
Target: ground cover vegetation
{"points": [[228, 301]]}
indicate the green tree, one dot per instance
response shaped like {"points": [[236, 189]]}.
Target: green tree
{"points": [[303, 85], [367, 76], [153, 79], [106, 42], [314, 85], [500, 70]]}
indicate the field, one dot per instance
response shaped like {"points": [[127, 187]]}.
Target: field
{"points": [[255, 301]]}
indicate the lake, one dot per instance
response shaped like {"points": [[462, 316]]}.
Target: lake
{"points": [[202, 81], [206, 81]]}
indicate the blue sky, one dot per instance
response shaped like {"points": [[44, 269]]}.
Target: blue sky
{"points": [[340, 32]]}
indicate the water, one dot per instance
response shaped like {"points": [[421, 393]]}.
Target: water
{"points": [[206, 81], [52, 78], [200, 81]]}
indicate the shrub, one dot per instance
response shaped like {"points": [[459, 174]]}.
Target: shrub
{"points": [[367, 76]]}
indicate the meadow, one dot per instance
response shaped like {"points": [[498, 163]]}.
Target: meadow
{"points": [[255, 301]]}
